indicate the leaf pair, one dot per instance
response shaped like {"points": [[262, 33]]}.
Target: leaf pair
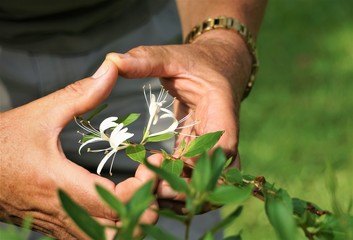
{"points": [[201, 144], [279, 209], [207, 171], [129, 213]]}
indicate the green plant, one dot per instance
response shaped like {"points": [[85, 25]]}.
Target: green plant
{"points": [[213, 184], [205, 192]]}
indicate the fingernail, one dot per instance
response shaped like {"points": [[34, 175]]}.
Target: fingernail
{"points": [[123, 55], [117, 58], [101, 70]]}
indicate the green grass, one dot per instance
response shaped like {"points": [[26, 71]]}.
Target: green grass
{"points": [[299, 116]]}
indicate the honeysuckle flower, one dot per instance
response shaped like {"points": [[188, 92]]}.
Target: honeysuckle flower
{"points": [[176, 126], [155, 107], [99, 135], [116, 135], [117, 142]]}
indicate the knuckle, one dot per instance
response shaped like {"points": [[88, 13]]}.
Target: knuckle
{"points": [[75, 89], [140, 50], [109, 213]]}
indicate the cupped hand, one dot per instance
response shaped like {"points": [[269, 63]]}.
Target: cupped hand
{"points": [[34, 167], [207, 77]]}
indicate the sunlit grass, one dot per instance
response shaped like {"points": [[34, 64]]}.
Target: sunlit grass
{"points": [[299, 116]]}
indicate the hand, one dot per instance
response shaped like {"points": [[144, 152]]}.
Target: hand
{"points": [[34, 167], [207, 77]]}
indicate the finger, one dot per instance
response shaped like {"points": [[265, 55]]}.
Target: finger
{"points": [[179, 207], [80, 184], [149, 216], [221, 105], [236, 163], [151, 61], [78, 97], [164, 191], [124, 190], [144, 174], [173, 205]]}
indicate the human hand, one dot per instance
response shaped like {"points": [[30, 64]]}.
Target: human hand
{"points": [[34, 167], [207, 77]]}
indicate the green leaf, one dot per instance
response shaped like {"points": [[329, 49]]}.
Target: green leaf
{"points": [[208, 236], [93, 113], [182, 145], [81, 217], [136, 153], [331, 227], [141, 199], [279, 212], [88, 136], [156, 233], [248, 178], [234, 237], [233, 176], [299, 206], [138, 203], [227, 220], [226, 194], [160, 138], [27, 222], [218, 160], [171, 214], [127, 120], [202, 144], [165, 154], [228, 162], [112, 201], [26, 226], [175, 182], [11, 232], [46, 238], [201, 174], [332, 185], [173, 166]]}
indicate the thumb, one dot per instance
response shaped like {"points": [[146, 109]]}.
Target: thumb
{"points": [[78, 97], [151, 61]]}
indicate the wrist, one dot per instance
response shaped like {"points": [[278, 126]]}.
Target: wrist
{"points": [[232, 56], [232, 34]]}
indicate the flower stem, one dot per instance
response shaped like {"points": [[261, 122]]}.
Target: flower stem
{"points": [[172, 157], [187, 227]]}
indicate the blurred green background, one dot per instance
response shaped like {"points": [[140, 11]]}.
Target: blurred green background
{"points": [[299, 116]]}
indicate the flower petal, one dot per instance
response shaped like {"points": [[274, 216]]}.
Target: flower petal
{"points": [[170, 129], [167, 111], [119, 139], [90, 141], [107, 124], [104, 160], [155, 119], [118, 136], [153, 109]]}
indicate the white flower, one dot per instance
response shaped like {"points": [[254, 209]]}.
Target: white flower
{"points": [[100, 135], [117, 142], [155, 107], [116, 138]]}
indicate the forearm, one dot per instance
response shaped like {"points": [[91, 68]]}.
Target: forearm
{"points": [[227, 47], [249, 12]]}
